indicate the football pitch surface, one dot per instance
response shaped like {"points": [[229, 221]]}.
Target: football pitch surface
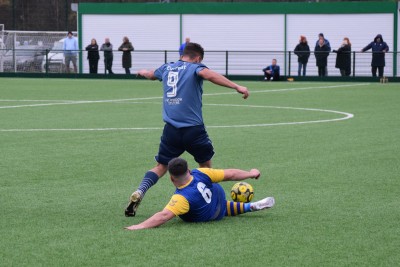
{"points": [[72, 151]]}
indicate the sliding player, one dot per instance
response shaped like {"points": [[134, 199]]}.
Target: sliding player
{"points": [[199, 197]]}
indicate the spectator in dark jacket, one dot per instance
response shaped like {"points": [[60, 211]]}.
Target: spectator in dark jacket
{"points": [[93, 56], [343, 58], [126, 47], [302, 51], [271, 73], [107, 47], [326, 42], [321, 53], [379, 48]]}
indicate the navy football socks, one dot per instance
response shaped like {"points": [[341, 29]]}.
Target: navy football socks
{"points": [[149, 179]]}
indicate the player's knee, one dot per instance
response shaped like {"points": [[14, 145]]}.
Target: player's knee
{"points": [[206, 164]]}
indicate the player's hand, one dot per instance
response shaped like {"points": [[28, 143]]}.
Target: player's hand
{"points": [[132, 227], [148, 74], [255, 173], [142, 73], [243, 90]]}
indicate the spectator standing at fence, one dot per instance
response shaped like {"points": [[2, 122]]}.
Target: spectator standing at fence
{"points": [[343, 58], [272, 72], [302, 50], [379, 48], [93, 56], [321, 53], [126, 48], [107, 47], [326, 42], [182, 47], [70, 48]]}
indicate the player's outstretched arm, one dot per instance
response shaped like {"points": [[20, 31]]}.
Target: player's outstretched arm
{"points": [[238, 175], [156, 220], [218, 79], [148, 74]]}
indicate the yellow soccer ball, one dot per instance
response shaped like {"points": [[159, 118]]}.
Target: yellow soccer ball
{"points": [[242, 192]]}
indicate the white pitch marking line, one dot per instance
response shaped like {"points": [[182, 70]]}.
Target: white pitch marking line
{"points": [[34, 100], [80, 102], [72, 102], [347, 116], [294, 89], [83, 130]]}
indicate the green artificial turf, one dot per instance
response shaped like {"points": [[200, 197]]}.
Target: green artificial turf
{"points": [[67, 169]]}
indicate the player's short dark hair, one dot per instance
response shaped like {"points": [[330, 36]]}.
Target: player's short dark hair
{"points": [[193, 50], [177, 167]]}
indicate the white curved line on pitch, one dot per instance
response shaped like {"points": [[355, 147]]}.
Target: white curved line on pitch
{"points": [[79, 102], [346, 117], [34, 100], [73, 102], [294, 89]]}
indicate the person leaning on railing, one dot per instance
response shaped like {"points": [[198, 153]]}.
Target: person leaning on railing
{"points": [[93, 56], [107, 47], [302, 51], [126, 48], [343, 58], [321, 52], [379, 48]]}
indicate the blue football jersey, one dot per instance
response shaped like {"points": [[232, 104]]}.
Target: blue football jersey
{"points": [[182, 96], [206, 199]]}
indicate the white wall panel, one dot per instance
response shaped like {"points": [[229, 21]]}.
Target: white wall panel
{"points": [[236, 33], [146, 32], [359, 28]]}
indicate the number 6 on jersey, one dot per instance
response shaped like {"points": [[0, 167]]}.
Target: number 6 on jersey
{"points": [[205, 192]]}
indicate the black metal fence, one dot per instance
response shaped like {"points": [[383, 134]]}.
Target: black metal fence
{"points": [[39, 59]]}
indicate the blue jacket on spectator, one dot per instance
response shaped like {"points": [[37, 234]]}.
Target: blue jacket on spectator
{"points": [[275, 73], [378, 51], [274, 69], [181, 48], [326, 42]]}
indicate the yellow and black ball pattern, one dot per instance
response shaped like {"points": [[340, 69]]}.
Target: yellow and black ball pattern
{"points": [[242, 192]]}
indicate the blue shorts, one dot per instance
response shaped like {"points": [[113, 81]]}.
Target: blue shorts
{"points": [[175, 141], [221, 206]]}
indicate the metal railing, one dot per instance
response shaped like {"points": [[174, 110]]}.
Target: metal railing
{"points": [[46, 60]]}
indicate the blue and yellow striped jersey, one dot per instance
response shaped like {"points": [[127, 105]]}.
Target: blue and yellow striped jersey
{"points": [[201, 199]]}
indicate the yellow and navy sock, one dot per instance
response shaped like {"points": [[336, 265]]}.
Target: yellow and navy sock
{"points": [[236, 208]]}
